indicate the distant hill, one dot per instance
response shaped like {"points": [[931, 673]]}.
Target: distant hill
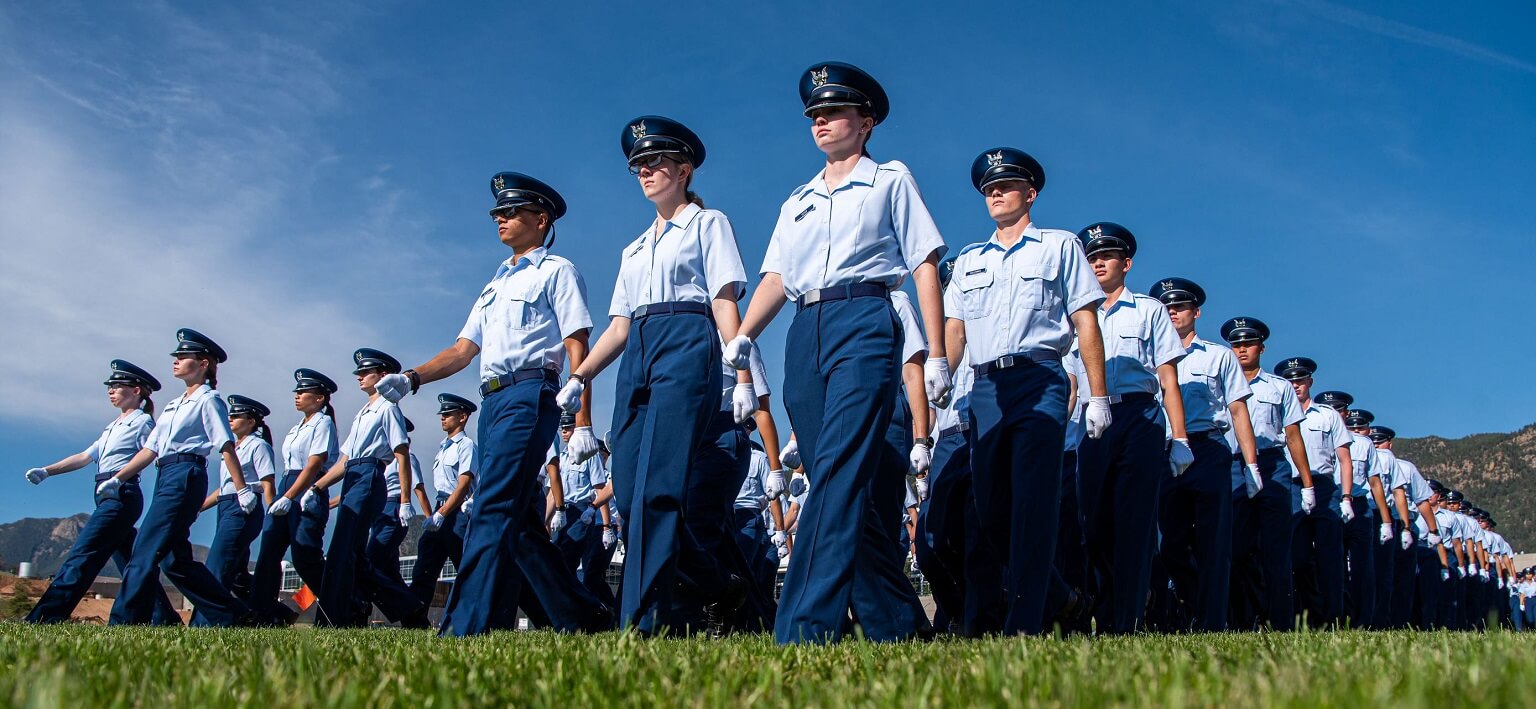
{"points": [[1497, 472], [46, 541]]}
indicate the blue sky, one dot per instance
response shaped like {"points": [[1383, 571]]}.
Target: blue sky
{"points": [[298, 181]]}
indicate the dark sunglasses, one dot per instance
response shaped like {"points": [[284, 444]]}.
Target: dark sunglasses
{"points": [[653, 162]]}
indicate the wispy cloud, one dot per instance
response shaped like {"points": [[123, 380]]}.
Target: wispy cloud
{"points": [[1408, 33]]}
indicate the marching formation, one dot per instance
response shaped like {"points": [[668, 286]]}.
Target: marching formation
{"points": [[1055, 451]]}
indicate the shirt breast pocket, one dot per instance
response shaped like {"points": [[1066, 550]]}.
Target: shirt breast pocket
{"points": [[978, 293], [1205, 384], [1133, 340], [1035, 290], [1265, 407], [514, 308]]}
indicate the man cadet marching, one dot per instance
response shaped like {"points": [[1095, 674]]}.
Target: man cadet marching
{"points": [[1195, 515], [453, 479], [1013, 305], [1361, 537], [1121, 471], [527, 322], [1262, 519], [1318, 542]]}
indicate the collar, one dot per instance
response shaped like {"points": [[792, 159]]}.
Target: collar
{"points": [[683, 219], [451, 440], [197, 394], [1031, 232], [1199, 344], [534, 256], [863, 173], [1127, 298]]}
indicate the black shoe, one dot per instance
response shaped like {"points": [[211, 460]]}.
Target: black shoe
{"points": [[717, 614], [601, 620], [1077, 614], [417, 620]]}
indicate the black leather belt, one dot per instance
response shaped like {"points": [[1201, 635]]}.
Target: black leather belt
{"points": [[680, 307], [955, 430], [1015, 359], [175, 458], [497, 383], [102, 477], [1201, 435], [852, 290], [1132, 398]]}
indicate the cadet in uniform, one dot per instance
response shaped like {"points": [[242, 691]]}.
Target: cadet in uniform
{"points": [[754, 541], [1406, 588], [1122, 466], [352, 580], [1394, 540], [453, 478], [389, 528], [310, 448], [584, 492], [1317, 556], [109, 533], [229, 555], [1262, 518], [192, 427], [908, 449], [1013, 306], [1361, 538], [675, 297], [842, 242], [1195, 513], [528, 320]]}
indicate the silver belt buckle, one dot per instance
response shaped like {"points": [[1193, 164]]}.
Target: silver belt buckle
{"points": [[1005, 361]]}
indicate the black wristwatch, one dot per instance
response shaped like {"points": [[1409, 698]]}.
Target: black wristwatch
{"points": [[415, 379], [928, 442]]}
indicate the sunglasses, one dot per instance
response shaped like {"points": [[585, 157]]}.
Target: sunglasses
{"points": [[653, 162]]}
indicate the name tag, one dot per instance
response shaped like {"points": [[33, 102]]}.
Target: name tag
{"points": [[804, 212]]}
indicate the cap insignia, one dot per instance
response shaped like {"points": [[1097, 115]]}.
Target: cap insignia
{"points": [[819, 77], [637, 130], [995, 159]]}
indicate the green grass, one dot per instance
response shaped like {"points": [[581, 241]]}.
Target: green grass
{"points": [[94, 666]]}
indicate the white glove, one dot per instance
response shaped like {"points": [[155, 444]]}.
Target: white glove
{"points": [[1483, 573], [583, 444], [774, 486], [311, 503], [1461, 572], [936, 380], [557, 522], [922, 488], [569, 397], [1255, 480], [738, 352], [1433, 539], [610, 537], [1346, 510], [921, 458], [37, 475], [406, 514], [1445, 574], [1097, 419], [1180, 456], [1386, 532], [1407, 538], [107, 490], [435, 522], [780, 539], [790, 454], [280, 506], [246, 497], [743, 402], [1308, 500], [1472, 569], [393, 386], [464, 508], [1501, 583]]}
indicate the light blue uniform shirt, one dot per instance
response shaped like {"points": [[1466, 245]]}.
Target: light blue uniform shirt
{"points": [[960, 400], [257, 463], [1323, 431], [1418, 487], [314, 436], [377, 430], [196, 424], [1421, 531], [120, 441], [523, 316], [1391, 475], [1138, 338], [1210, 380], [455, 457], [912, 341], [694, 260], [580, 481], [753, 493], [1362, 458], [874, 228], [759, 378], [1021, 299], [392, 476], [1272, 408]]}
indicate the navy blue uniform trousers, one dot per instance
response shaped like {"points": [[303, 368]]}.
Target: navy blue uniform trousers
{"points": [[164, 541], [229, 555], [435, 548], [667, 393], [385, 537], [1018, 423], [843, 358], [1426, 602], [889, 505], [351, 577], [755, 544], [1360, 535], [108, 534], [1386, 576], [1405, 566], [300, 533], [507, 546], [1262, 527], [1195, 517], [1317, 557], [942, 523], [1119, 476], [718, 472]]}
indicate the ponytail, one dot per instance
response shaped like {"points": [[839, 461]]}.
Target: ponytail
{"points": [[212, 378], [329, 410], [146, 403], [263, 430], [688, 193]]}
